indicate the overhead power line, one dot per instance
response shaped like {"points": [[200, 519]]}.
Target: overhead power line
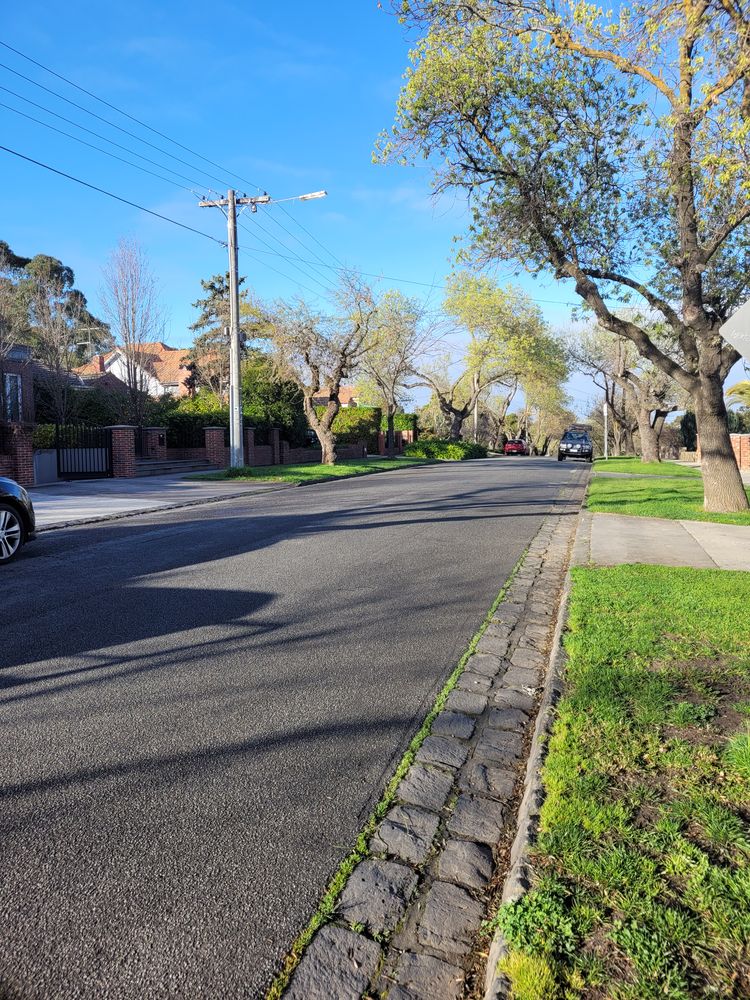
{"points": [[98, 135], [90, 145], [106, 121], [150, 128], [120, 111], [110, 194], [254, 250]]}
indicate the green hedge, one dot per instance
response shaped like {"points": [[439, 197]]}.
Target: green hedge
{"points": [[453, 451], [43, 436], [401, 422], [357, 423]]}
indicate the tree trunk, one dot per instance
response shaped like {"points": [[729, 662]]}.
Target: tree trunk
{"points": [[328, 445], [660, 417], [628, 447], [457, 422], [649, 439], [722, 483], [322, 428], [390, 436]]}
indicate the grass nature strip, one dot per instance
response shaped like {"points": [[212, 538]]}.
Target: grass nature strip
{"points": [[361, 850], [635, 467], [674, 499], [642, 887], [311, 472]]}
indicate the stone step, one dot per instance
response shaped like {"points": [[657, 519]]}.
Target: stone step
{"points": [[153, 467]]}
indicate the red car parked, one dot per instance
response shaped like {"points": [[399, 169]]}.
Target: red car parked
{"points": [[516, 446]]}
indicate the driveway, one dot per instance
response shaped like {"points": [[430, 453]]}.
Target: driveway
{"points": [[200, 707]]}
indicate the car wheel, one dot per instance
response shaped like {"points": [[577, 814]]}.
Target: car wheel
{"points": [[11, 533], [560, 458]]}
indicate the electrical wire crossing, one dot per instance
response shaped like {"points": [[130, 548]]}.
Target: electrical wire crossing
{"points": [[110, 194]]}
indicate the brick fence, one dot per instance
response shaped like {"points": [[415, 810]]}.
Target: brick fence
{"points": [[401, 439], [17, 453], [740, 446]]}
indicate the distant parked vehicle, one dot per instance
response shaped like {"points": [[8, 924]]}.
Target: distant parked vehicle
{"points": [[576, 443], [17, 524], [516, 446]]}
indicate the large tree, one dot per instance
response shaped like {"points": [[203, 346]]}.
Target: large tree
{"points": [[209, 355], [508, 346], [400, 338], [648, 395], [54, 314], [608, 147], [130, 299], [319, 352]]}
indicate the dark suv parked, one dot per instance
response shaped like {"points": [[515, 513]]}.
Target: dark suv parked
{"points": [[16, 519], [575, 444]]}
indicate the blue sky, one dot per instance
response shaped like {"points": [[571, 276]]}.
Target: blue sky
{"points": [[288, 97]]}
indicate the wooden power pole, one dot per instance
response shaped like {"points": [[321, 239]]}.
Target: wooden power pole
{"points": [[230, 203]]}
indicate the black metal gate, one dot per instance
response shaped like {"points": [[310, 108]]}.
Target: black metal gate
{"points": [[83, 452]]}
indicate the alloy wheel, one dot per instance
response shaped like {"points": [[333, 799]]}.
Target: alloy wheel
{"points": [[11, 533]]}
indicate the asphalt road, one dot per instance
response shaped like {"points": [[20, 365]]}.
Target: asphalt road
{"points": [[199, 708]]}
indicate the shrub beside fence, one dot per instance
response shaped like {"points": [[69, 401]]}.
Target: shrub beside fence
{"points": [[454, 451]]}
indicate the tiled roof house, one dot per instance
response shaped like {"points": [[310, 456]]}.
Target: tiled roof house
{"points": [[165, 368]]}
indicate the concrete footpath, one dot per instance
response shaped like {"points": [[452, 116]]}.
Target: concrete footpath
{"points": [[63, 504], [613, 539]]}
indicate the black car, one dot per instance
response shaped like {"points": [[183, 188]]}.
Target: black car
{"points": [[575, 444], [17, 524]]}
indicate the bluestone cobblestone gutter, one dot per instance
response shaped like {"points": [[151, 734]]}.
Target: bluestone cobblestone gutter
{"points": [[406, 925]]}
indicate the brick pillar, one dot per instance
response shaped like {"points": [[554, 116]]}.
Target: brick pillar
{"points": [[23, 455], [285, 453], [216, 451], [381, 443], [156, 442], [745, 452], [249, 446], [123, 451], [275, 446]]}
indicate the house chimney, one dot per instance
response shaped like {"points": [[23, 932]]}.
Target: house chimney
{"points": [[100, 361]]}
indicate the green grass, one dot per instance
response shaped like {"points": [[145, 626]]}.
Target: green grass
{"points": [[680, 500], [361, 849], [635, 467], [642, 889], [311, 472]]}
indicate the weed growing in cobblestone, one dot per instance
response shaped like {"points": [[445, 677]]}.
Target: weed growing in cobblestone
{"points": [[643, 857]]}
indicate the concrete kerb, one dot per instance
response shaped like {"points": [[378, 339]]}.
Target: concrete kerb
{"points": [[302, 956], [450, 811], [226, 496], [518, 878]]}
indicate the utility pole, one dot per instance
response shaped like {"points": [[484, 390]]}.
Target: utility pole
{"points": [[476, 408], [236, 447], [230, 203], [606, 431]]}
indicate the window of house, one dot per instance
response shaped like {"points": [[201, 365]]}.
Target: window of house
{"points": [[12, 397]]}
